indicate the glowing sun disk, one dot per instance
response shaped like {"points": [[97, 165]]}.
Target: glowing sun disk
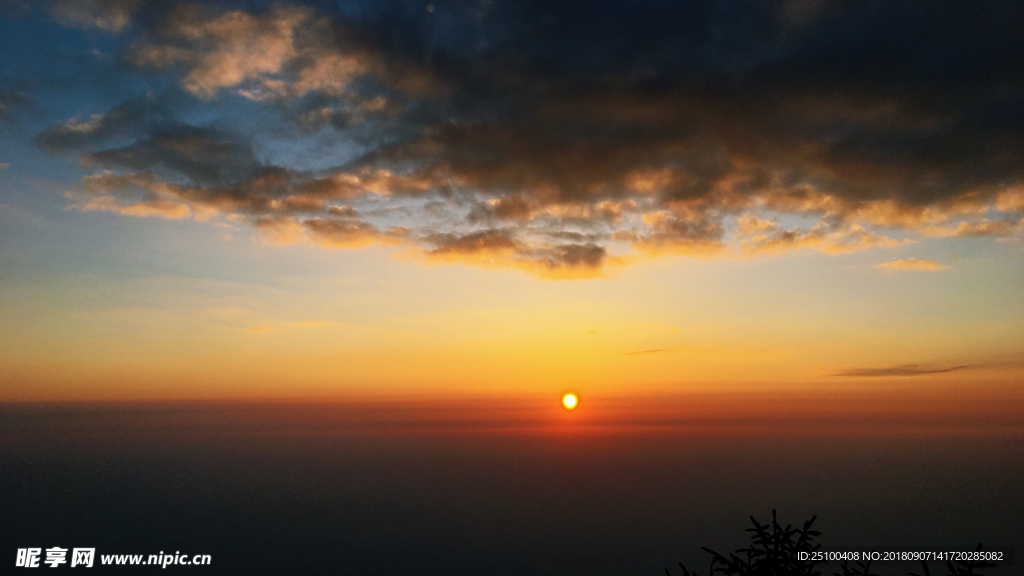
{"points": [[569, 401]]}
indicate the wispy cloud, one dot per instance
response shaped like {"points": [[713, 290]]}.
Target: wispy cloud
{"points": [[107, 15], [664, 350], [312, 324], [272, 325], [911, 264], [902, 370]]}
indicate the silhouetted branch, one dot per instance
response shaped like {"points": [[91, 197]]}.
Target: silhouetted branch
{"points": [[775, 550]]}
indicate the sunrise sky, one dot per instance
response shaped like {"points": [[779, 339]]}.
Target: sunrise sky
{"points": [[253, 200]]}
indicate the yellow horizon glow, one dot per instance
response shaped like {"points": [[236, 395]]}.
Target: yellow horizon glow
{"points": [[336, 325]]}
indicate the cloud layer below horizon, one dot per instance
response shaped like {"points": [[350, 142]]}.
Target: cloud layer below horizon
{"points": [[562, 138]]}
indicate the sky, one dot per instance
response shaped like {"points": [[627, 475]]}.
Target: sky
{"points": [[253, 200]]}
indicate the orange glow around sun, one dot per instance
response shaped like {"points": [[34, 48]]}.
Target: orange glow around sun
{"points": [[569, 401]]}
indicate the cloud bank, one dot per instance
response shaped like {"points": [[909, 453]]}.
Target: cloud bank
{"points": [[564, 138]]}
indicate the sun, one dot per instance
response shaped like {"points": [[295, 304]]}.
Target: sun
{"points": [[570, 401]]}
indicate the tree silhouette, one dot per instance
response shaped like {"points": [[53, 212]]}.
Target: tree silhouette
{"points": [[774, 551]]}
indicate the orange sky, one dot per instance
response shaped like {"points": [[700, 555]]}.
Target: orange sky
{"points": [[673, 326], [227, 203]]}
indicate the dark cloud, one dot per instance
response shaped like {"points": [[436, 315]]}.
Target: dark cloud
{"points": [[501, 248], [559, 134], [15, 8], [156, 140], [11, 100], [476, 243], [131, 120], [203, 155], [578, 96]]}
